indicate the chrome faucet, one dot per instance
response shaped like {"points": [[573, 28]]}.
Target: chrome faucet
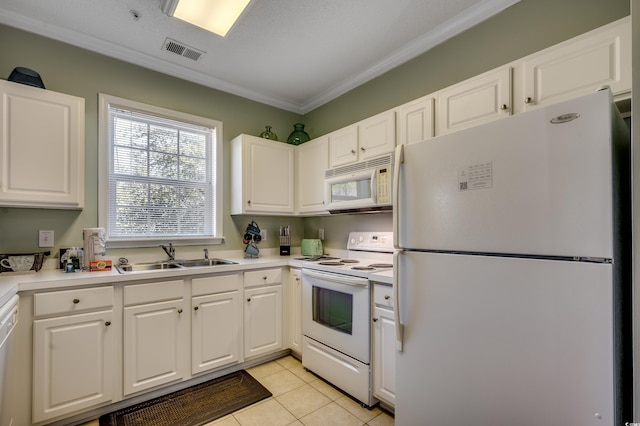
{"points": [[171, 252], [206, 253]]}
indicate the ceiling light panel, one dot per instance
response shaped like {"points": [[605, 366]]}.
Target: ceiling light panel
{"points": [[217, 16]]}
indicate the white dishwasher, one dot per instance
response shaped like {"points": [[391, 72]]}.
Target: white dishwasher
{"points": [[8, 320]]}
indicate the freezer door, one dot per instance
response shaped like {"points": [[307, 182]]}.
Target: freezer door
{"points": [[518, 185], [503, 341]]}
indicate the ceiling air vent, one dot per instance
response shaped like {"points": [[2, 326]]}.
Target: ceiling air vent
{"points": [[182, 49]]}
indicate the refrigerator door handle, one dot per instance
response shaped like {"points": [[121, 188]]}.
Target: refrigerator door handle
{"points": [[399, 159], [396, 303]]}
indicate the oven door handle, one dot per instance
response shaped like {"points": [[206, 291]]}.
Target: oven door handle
{"points": [[335, 278]]}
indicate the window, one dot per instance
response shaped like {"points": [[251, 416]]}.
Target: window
{"points": [[159, 174]]}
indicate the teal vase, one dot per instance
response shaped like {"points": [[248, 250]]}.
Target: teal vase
{"points": [[268, 134], [298, 135]]}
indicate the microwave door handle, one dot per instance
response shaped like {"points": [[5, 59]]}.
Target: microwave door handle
{"points": [[373, 184], [399, 159]]}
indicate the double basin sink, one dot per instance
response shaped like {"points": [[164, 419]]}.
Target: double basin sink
{"points": [[171, 264]]}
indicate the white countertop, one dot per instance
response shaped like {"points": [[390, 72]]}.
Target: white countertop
{"points": [[385, 277], [10, 284]]}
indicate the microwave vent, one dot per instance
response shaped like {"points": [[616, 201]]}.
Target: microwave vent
{"points": [[386, 160]]}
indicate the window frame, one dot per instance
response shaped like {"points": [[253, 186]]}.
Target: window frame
{"points": [[104, 102]]}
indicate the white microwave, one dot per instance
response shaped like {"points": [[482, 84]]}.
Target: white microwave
{"points": [[359, 187]]}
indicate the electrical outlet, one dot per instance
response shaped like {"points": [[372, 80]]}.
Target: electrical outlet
{"points": [[321, 233], [45, 238], [263, 234]]}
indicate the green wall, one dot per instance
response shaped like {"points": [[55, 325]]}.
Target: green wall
{"points": [[78, 72], [524, 28]]}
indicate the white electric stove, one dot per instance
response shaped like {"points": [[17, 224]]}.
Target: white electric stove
{"points": [[336, 312]]}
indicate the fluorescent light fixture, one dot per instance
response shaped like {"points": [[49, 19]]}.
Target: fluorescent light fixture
{"points": [[217, 16]]}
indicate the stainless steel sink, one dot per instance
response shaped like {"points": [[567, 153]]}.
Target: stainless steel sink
{"points": [[186, 263], [204, 262], [154, 266]]}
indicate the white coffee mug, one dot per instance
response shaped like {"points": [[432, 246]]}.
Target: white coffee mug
{"points": [[18, 263]]}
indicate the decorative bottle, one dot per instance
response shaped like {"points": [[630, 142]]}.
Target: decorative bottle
{"points": [[298, 135], [268, 134]]}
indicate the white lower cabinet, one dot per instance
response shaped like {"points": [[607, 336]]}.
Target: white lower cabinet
{"points": [[295, 311], [384, 345], [73, 354], [262, 312], [216, 322], [155, 334]]}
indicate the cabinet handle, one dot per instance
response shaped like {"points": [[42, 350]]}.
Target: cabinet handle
{"points": [[362, 149], [528, 100], [297, 278], [107, 324], [503, 107], [353, 151], [387, 297], [195, 308], [375, 319], [249, 300], [248, 201], [264, 278], [76, 301], [179, 311]]}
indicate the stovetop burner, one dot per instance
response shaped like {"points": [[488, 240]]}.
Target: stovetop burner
{"points": [[349, 261], [316, 258], [332, 263], [363, 268], [381, 265]]}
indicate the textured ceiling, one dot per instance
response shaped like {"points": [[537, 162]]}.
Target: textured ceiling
{"points": [[292, 54]]}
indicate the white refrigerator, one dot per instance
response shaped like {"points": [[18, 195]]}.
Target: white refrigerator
{"points": [[512, 271]]}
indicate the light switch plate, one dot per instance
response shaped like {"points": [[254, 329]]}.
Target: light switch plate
{"points": [[45, 238], [263, 234]]}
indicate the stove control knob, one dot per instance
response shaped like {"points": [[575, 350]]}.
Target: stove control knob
{"points": [[353, 241], [360, 239]]}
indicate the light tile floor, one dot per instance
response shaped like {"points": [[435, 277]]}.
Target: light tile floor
{"points": [[299, 398]]}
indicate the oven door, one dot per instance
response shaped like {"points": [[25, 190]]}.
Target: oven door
{"points": [[335, 312]]}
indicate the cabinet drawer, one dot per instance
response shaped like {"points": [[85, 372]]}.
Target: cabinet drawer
{"points": [[69, 301], [383, 295], [153, 292], [265, 276], [212, 285]]}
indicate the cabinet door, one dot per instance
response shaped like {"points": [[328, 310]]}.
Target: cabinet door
{"points": [[475, 101], [154, 339], [313, 160], [295, 311], [580, 66], [262, 320], [215, 331], [415, 121], [384, 355], [377, 135], [343, 146], [73, 363], [268, 169], [41, 148]]}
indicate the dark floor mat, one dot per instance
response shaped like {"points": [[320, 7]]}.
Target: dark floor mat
{"points": [[193, 406]]}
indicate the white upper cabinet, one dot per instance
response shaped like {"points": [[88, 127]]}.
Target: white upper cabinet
{"points": [[368, 138], [475, 101], [262, 173], [312, 159], [415, 120], [41, 148], [580, 66], [377, 135]]}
